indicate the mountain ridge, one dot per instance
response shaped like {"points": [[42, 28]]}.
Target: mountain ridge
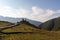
{"points": [[53, 24]]}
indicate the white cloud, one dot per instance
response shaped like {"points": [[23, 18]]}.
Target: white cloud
{"points": [[37, 10], [7, 11], [23, 13], [35, 13], [58, 11], [41, 14]]}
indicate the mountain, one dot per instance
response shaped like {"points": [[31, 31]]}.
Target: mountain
{"points": [[14, 20], [9, 19], [53, 24], [23, 26]]}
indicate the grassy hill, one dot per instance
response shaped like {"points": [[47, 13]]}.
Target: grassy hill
{"points": [[5, 23], [22, 26], [53, 24]]}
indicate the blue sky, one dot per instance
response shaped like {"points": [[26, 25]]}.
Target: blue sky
{"points": [[51, 4], [40, 10]]}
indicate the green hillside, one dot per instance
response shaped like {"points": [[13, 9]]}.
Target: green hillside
{"points": [[5, 23], [53, 24], [22, 26]]}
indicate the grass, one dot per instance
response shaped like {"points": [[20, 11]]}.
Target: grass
{"points": [[34, 36], [22, 28], [3, 24]]}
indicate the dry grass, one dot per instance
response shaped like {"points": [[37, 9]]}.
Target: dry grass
{"points": [[34, 36], [3, 24], [22, 28]]}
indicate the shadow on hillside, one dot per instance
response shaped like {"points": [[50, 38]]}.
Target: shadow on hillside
{"points": [[18, 32]]}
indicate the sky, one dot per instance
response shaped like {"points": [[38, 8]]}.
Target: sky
{"points": [[39, 10]]}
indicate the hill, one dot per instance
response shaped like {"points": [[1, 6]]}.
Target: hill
{"points": [[23, 26], [5, 23], [53, 24]]}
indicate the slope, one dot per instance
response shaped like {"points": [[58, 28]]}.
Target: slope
{"points": [[53, 24], [5, 23], [23, 26], [42, 35]]}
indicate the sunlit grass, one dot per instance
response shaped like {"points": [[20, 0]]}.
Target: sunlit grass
{"points": [[34, 36], [22, 28], [3, 24]]}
